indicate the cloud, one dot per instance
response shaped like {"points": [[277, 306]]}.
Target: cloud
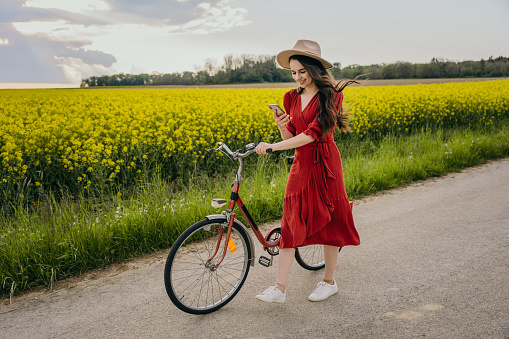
{"points": [[93, 37], [60, 30], [157, 12], [90, 6], [213, 19], [74, 68], [28, 59]]}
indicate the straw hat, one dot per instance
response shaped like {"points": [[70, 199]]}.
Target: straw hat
{"points": [[302, 47]]}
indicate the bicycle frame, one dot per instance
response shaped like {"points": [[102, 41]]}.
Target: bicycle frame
{"points": [[230, 215]]}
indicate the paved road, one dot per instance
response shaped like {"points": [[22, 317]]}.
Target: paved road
{"points": [[434, 262]]}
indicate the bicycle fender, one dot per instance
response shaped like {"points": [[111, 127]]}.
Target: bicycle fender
{"points": [[249, 238]]}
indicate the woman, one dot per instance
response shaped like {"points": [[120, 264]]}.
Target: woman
{"points": [[316, 209]]}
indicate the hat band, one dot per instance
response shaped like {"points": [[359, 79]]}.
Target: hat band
{"points": [[311, 53]]}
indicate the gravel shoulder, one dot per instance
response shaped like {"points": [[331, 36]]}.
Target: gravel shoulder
{"points": [[433, 262]]}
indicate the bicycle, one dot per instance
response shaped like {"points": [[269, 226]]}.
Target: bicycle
{"points": [[200, 276]]}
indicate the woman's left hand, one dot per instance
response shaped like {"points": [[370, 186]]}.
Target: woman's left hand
{"points": [[262, 147]]}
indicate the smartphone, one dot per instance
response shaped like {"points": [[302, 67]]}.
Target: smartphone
{"points": [[276, 109]]}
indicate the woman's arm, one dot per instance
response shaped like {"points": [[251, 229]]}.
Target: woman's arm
{"points": [[297, 141], [281, 124], [285, 134]]}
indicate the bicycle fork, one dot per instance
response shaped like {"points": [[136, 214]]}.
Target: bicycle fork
{"points": [[230, 217]]}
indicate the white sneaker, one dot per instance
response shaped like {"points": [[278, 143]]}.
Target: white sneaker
{"points": [[323, 291], [272, 295]]}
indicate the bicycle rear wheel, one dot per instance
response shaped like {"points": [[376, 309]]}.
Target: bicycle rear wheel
{"points": [[192, 285], [311, 257]]}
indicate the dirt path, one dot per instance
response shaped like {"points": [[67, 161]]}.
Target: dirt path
{"points": [[433, 262]]}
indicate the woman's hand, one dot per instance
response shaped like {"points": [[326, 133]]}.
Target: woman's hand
{"points": [[262, 147], [281, 120]]}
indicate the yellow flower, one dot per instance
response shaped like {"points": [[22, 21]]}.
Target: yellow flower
{"points": [[84, 131]]}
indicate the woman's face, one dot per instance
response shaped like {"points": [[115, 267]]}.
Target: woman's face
{"points": [[300, 75]]}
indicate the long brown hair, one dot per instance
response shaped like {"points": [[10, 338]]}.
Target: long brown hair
{"points": [[328, 116]]}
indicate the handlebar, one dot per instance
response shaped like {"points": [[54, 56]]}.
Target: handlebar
{"points": [[237, 154]]}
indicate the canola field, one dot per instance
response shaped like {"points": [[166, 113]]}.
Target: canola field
{"points": [[88, 139], [404, 109]]}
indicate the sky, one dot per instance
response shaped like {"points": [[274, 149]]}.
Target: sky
{"points": [[63, 41]]}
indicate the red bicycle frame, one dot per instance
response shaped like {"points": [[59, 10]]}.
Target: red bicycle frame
{"points": [[235, 199]]}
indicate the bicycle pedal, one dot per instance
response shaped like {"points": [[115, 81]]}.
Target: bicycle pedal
{"points": [[264, 261]]}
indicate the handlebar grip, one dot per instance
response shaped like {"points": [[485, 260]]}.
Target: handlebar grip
{"points": [[269, 150]]}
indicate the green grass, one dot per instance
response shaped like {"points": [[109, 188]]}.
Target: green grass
{"points": [[395, 161], [66, 238]]}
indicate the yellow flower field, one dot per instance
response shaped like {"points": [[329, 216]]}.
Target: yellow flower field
{"points": [[79, 133], [76, 138], [406, 108]]}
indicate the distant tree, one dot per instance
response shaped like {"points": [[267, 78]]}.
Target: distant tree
{"points": [[210, 66], [405, 70], [389, 71], [336, 70], [498, 68], [203, 78], [187, 78], [482, 69]]}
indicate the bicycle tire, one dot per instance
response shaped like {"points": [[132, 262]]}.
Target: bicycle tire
{"points": [[193, 287], [311, 257]]}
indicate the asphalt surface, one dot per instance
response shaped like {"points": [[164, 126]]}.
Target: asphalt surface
{"points": [[433, 262]]}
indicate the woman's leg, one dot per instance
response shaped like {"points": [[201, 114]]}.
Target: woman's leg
{"points": [[277, 294], [330, 254], [327, 287], [286, 256]]}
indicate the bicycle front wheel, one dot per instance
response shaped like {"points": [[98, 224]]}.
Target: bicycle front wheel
{"points": [[190, 280]]}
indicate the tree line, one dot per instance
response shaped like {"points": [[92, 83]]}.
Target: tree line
{"points": [[260, 69]]}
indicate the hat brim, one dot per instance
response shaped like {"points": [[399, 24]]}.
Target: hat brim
{"points": [[283, 58]]}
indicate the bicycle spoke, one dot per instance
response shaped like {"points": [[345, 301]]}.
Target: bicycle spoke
{"points": [[232, 262], [310, 257], [221, 287], [199, 293], [219, 284], [190, 287]]}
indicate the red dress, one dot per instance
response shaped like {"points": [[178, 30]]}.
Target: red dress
{"points": [[316, 209]]}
